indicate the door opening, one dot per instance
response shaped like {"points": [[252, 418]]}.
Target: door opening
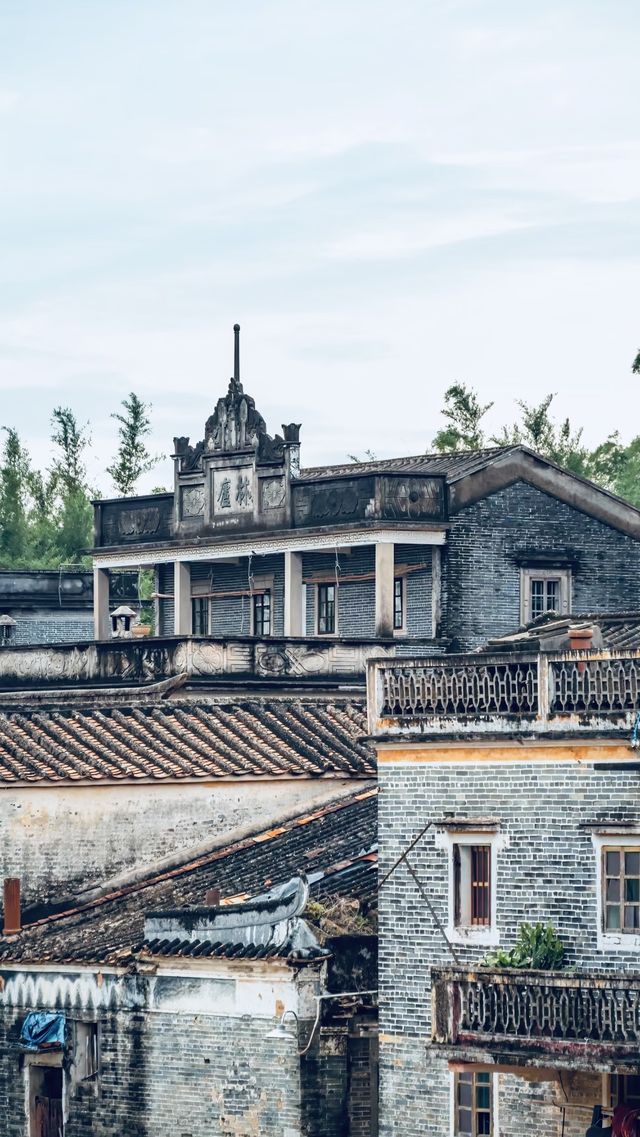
{"points": [[45, 1101]]}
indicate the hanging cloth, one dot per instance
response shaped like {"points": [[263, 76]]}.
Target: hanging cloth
{"points": [[42, 1030]]}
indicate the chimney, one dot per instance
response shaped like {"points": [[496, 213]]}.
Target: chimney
{"points": [[11, 906], [212, 897], [580, 639]]}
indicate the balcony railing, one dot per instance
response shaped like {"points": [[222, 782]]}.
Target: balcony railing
{"points": [[483, 692], [533, 1011]]}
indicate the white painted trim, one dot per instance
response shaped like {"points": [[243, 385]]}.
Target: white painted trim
{"points": [[294, 542], [612, 941], [544, 573], [446, 839], [495, 1110]]}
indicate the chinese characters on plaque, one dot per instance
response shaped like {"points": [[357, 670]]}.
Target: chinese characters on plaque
{"points": [[232, 491]]}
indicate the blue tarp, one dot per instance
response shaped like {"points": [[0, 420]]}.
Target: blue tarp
{"points": [[42, 1030]]}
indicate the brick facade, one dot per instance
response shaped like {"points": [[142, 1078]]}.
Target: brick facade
{"points": [[491, 540], [547, 872]]}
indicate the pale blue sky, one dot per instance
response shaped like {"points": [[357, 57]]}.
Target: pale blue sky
{"points": [[388, 197]]}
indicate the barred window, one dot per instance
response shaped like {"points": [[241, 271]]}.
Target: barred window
{"points": [[473, 1099], [472, 883], [621, 884], [262, 614], [200, 615], [624, 1089], [326, 609]]}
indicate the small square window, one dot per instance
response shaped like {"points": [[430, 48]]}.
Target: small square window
{"points": [[544, 591], [262, 614], [473, 1104], [472, 884], [621, 890], [398, 604], [326, 609], [200, 615]]}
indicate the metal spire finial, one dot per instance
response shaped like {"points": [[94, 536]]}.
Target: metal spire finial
{"points": [[236, 353]]}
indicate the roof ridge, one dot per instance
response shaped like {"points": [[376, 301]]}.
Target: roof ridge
{"points": [[257, 838]]}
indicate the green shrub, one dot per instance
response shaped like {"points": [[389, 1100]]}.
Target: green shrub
{"points": [[537, 947]]}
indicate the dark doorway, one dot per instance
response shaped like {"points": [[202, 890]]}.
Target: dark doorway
{"points": [[45, 1101]]}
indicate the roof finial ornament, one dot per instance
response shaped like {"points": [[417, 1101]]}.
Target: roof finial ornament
{"points": [[236, 353]]}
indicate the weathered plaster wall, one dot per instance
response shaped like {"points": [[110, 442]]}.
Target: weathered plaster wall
{"points": [[60, 839], [204, 1070], [547, 872], [486, 545]]}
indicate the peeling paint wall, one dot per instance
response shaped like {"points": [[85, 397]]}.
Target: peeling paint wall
{"points": [[61, 839], [206, 1071]]}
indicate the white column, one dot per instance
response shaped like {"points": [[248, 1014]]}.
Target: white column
{"points": [[293, 594], [384, 588], [181, 598], [101, 621]]}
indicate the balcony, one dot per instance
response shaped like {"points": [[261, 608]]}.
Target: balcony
{"points": [[534, 1017], [199, 659], [476, 694]]}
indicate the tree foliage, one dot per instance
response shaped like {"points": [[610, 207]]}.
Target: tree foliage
{"points": [[464, 413], [613, 464], [46, 516], [132, 458]]}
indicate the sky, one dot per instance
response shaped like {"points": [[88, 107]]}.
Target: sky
{"points": [[388, 197]]}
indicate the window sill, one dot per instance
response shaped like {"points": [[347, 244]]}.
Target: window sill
{"points": [[484, 937], [625, 941]]}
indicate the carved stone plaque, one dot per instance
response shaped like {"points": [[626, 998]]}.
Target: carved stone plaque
{"points": [[273, 493], [232, 491], [412, 498], [193, 501]]}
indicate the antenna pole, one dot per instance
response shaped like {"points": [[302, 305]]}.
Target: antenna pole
{"points": [[236, 353]]}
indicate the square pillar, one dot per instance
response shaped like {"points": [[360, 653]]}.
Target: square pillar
{"points": [[293, 594], [181, 598], [385, 562], [101, 620]]}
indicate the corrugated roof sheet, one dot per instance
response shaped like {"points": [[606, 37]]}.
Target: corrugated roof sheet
{"points": [[335, 846], [450, 466], [299, 737]]}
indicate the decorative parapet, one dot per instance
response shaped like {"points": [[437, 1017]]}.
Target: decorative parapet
{"points": [[487, 693], [155, 659], [537, 1012]]}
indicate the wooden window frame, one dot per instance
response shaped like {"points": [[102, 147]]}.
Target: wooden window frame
{"points": [[460, 929], [622, 902], [478, 1080], [399, 587], [528, 575], [257, 600], [195, 599], [320, 589], [472, 884]]}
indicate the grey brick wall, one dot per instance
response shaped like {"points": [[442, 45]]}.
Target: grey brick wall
{"points": [[186, 1075], [481, 570], [54, 629], [547, 873]]}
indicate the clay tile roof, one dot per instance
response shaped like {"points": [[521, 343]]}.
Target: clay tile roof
{"points": [[450, 466], [335, 846], [259, 738]]}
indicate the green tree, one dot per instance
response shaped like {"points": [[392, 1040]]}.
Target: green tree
{"points": [[464, 413], [15, 474], [635, 367], [132, 458], [537, 429]]}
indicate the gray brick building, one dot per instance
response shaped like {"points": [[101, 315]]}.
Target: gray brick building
{"points": [[182, 1006], [508, 795]]}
